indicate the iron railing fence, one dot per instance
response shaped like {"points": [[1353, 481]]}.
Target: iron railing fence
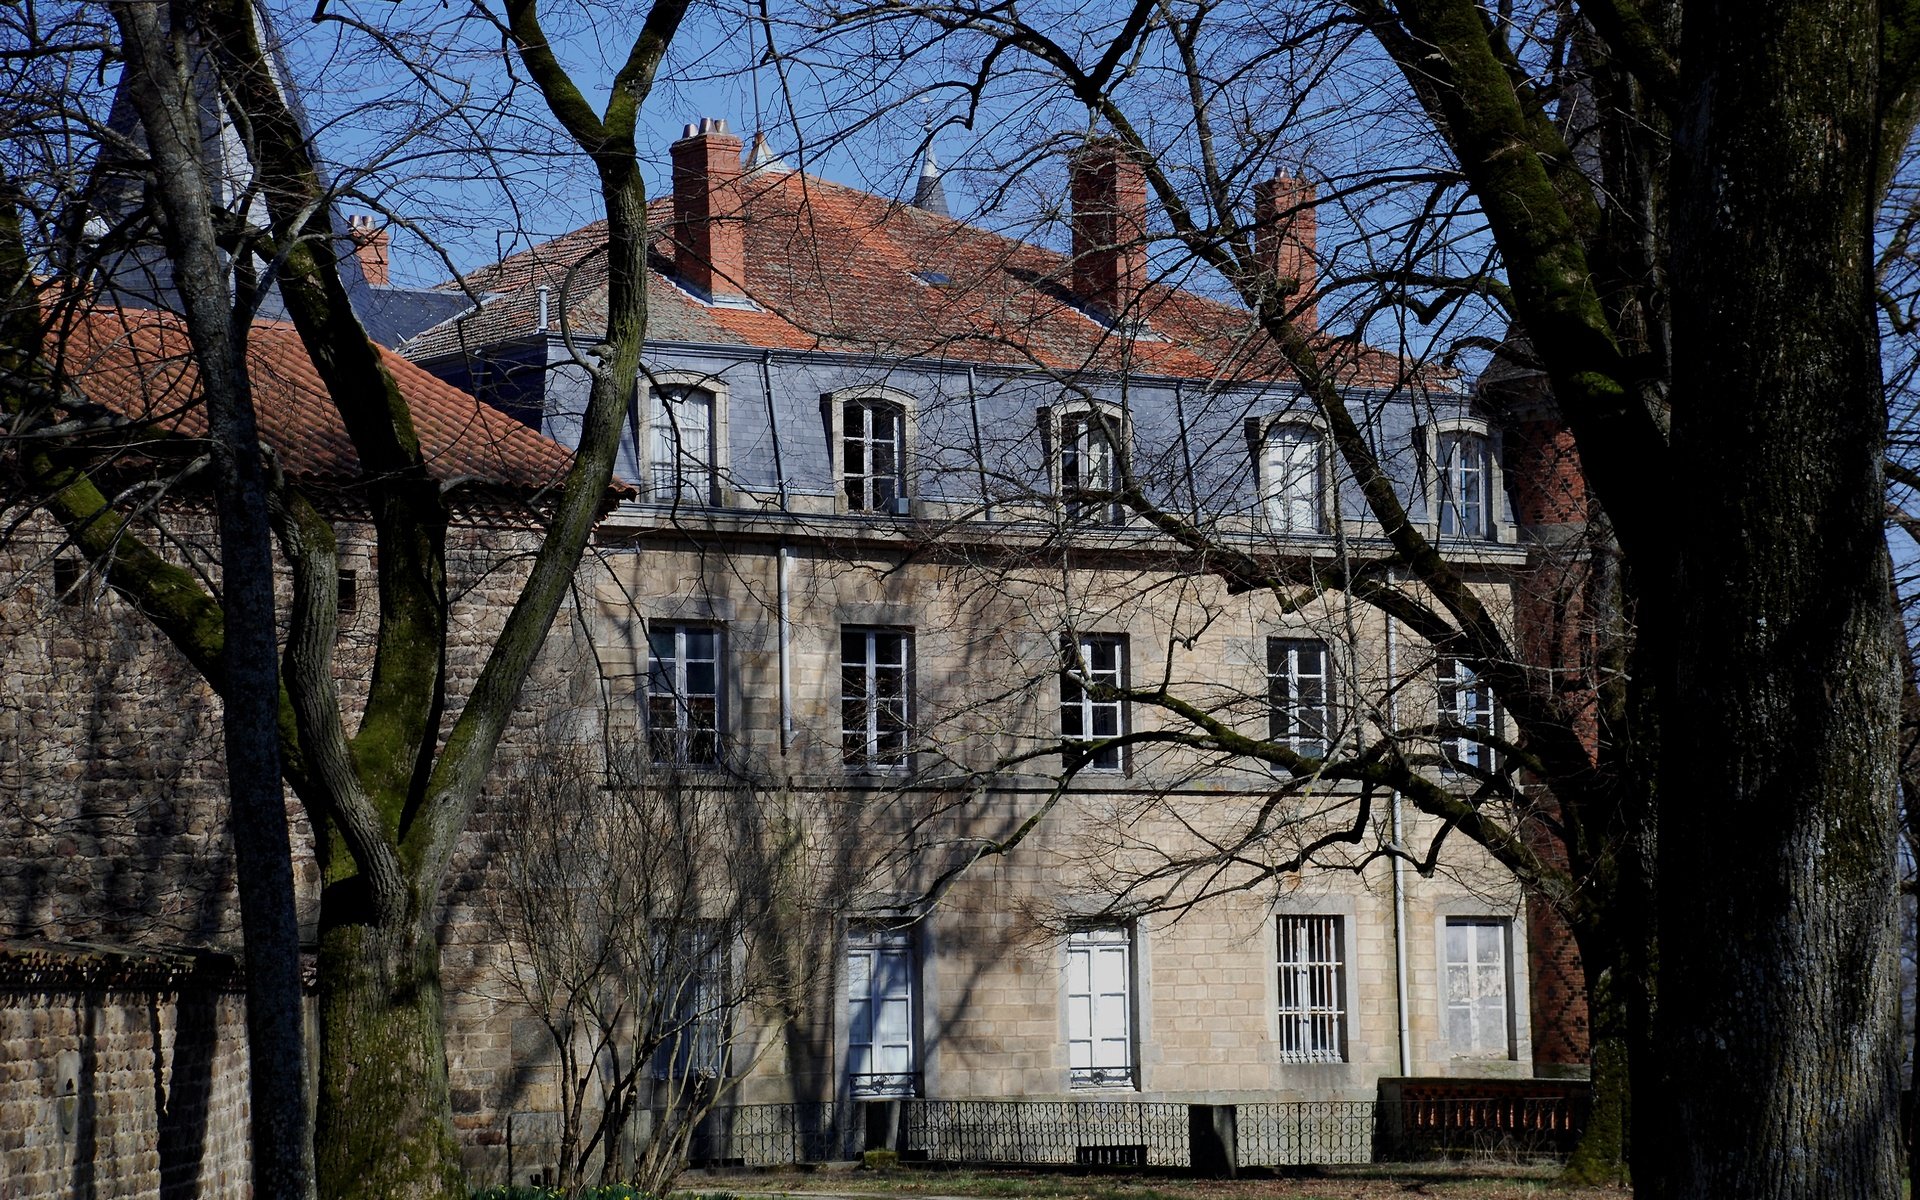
{"points": [[1296, 1133], [1135, 1133], [775, 1135], [1105, 1133]]}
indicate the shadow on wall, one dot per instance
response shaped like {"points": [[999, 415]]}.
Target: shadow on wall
{"points": [[136, 1075]]}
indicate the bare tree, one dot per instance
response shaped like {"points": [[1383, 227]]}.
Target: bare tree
{"points": [[386, 790], [638, 910], [1641, 218]]}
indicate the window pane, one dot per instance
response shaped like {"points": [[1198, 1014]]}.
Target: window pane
{"points": [[683, 694], [874, 433], [1476, 988], [681, 457], [880, 1004], [1298, 692], [1295, 457], [1089, 462], [1465, 481], [874, 713], [1091, 662]]}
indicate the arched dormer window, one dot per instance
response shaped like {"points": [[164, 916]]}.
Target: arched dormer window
{"points": [[683, 439], [1293, 477], [1089, 465], [1462, 480], [873, 454], [872, 432]]}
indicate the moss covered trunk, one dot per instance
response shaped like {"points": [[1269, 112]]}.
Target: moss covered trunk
{"points": [[1601, 1154], [384, 1127]]}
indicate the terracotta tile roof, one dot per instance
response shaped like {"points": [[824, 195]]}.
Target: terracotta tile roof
{"points": [[836, 269], [135, 363]]}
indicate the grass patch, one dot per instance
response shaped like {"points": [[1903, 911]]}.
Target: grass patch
{"points": [[1432, 1181]]}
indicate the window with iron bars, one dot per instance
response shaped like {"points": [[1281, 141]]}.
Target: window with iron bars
{"points": [[691, 970], [1313, 990]]}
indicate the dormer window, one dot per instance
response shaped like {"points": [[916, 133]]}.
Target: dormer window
{"points": [[680, 466], [1294, 478], [1089, 466], [873, 455], [870, 431], [1464, 466]]}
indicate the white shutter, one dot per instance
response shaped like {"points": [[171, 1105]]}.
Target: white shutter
{"points": [[1100, 1008], [880, 1013]]}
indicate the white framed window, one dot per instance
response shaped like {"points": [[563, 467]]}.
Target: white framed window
{"points": [[683, 694], [1294, 478], [875, 681], [1100, 1008], [1094, 665], [1463, 461], [692, 964], [1466, 702], [1313, 989], [680, 441], [1089, 445], [873, 455], [1300, 695], [1476, 957], [880, 1012]]}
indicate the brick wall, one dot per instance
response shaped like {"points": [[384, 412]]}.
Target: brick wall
{"points": [[122, 1073], [113, 812]]}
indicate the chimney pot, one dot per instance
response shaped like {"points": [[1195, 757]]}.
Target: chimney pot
{"points": [[1109, 194], [369, 247], [1285, 232], [709, 227]]}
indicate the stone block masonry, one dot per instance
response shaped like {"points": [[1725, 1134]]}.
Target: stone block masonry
{"points": [[122, 1073]]}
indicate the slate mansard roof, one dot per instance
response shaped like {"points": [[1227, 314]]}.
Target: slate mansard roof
{"points": [[833, 269], [137, 364]]}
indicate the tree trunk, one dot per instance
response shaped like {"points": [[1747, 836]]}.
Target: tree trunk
{"points": [[1601, 1155], [1777, 1003], [384, 1108], [280, 1137]]}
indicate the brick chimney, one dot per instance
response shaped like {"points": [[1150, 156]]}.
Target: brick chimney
{"points": [[370, 247], [709, 229], [1109, 192], [1284, 231]]}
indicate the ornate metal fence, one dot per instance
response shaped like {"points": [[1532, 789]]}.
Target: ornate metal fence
{"points": [[1135, 1133], [1310, 1131], [1083, 1132], [773, 1135]]}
